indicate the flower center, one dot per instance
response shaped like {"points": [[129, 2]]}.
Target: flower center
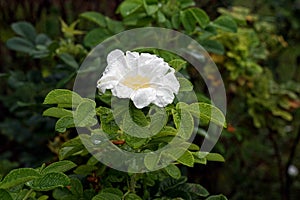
{"points": [[136, 82]]}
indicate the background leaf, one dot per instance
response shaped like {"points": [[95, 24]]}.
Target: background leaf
{"points": [[217, 197], [4, 195], [20, 44], [95, 17], [60, 166], [63, 98], [173, 171], [57, 112], [18, 176], [49, 181], [25, 30], [200, 16], [84, 115], [64, 123], [129, 7], [105, 196], [225, 23]]}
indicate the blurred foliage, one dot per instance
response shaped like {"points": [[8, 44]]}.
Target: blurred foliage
{"points": [[256, 48], [56, 62], [263, 109]]}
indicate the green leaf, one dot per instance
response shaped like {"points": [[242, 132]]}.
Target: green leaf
{"points": [[138, 116], [180, 155], [62, 97], [178, 64], [281, 113], [106, 196], [42, 39], [161, 17], [200, 154], [60, 166], [161, 140], [57, 112], [225, 23], [85, 115], [200, 160], [49, 181], [173, 171], [69, 60], [194, 147], [166, 131], [92, 161], [63, 194], [135, 142], [187, 21], [126, 123], [95, 36], [132, 196], [4, 195], [150, 9], [176, 20], [129, 7], [217, 197], [114, 26], [113, 191], [158, 118], [71, 147], [185, 85], [186, 126], [76, 187], [186, 159], [95, 17], [18, 176], [25, 30], [213, 46], [206, 112], [197, 189], [203, 156], [170, 183], [215, 157], [107, 120], [200, 16], [20, 44], [43, 197], [64, 123], [137, 20], [151, 160], [85, 169], [186, 3], [176, 118]]}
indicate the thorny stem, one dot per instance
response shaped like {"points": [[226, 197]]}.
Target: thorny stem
{"points": [[28, 194], [131, 185], [281, 174], [289, 162]]}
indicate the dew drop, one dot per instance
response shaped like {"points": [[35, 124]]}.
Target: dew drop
{"points": [[97, 141]]}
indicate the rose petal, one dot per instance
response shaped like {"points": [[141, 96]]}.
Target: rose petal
{"points": [[163, 97], [143, 97], [122, 91], [103, 85], [132, 59], [113, 55], [152, 72], [171, 82]]}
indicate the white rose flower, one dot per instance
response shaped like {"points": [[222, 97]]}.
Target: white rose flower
{"points": [[144, 78]]}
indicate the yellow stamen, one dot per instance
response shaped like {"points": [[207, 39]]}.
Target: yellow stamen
{"points": [[136, 82]]}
